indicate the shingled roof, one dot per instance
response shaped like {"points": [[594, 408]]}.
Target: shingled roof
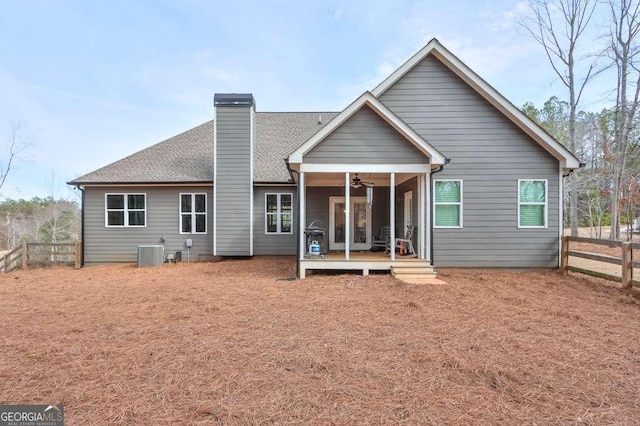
{"points": [[188, 157]]}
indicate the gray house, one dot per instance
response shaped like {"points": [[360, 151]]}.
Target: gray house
{"points": [[433, 148]]}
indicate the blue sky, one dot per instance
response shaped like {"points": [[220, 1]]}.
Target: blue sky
{"points": [[94, 81]]}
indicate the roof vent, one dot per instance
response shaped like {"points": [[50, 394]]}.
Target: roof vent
{"points": [[233, 99], [319, 119]]}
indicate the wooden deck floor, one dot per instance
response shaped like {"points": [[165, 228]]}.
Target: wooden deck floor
{"points": [[358, 260]]}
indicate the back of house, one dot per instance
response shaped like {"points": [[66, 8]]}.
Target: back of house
{"points": [[433, 153]]}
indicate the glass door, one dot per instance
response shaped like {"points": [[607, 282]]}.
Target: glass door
{"points": [[360, 223]]}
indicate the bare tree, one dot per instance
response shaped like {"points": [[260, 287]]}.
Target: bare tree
{"points": [[17, 143], [558, 26], [623, 50]]}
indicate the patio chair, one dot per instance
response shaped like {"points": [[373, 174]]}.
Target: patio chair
{"points": [[404, 245], [381, 241]]}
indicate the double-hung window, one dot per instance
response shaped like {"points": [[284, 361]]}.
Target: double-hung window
{"points": [[448, 203], [125, 210], [193, 213], [532, 203], [279, 213]]}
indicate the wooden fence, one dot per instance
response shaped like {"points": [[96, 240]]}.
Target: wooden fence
{"points": [[625, 261], [38, 254]]}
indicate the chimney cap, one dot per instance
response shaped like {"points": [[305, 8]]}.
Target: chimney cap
{"points": [[234, 99]]}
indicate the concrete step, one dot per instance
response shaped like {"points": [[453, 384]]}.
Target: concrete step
{"points": [[425, 281]]}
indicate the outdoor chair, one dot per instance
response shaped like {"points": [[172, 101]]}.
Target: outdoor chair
{"points": [[381, 241], [404, 246]]}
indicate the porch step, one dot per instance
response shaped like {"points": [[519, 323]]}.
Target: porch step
{"points": [[414, 274], [426, 281]]}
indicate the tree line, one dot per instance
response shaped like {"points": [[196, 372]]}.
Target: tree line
{"points": [[595, 146], [605, 192], [46, 220]]}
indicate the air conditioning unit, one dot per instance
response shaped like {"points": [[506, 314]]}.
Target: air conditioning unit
{"points": [[152, 255]]}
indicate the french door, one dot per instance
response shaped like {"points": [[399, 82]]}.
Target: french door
{"points": [[359, 223]]}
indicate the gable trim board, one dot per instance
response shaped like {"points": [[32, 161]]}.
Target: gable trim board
{"points": [[567, 159], [368, 100]]}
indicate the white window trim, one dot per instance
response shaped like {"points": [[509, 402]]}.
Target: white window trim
{"points": [[192, 213], [278, 213], [545, 204], [461, 204], [125, 210]]}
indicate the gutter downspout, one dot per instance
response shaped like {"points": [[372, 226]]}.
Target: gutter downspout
{"points": [[81, 225], [297, 204], [431, 207]]}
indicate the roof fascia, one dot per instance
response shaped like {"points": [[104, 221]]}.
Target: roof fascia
{"points": [[89, 184]]}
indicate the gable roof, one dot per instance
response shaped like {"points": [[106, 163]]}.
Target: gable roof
{"points": [[368, 100], [188, 157], [520, 119]]}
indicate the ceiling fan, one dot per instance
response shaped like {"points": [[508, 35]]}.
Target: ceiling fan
{"points": [[356, 182]]}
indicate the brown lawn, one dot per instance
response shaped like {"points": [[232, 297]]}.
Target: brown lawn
{"points": [[230, 343]]}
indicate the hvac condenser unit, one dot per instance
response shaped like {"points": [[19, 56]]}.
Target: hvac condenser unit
{"points": [[150, 255]]}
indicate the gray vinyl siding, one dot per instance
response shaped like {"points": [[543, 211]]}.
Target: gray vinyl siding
{"points": [[365, 138], [273, 244], [114, 244], [233, 181], [489, 154]]}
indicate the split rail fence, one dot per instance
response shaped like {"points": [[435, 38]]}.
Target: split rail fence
{"points": [[625, 261], [39, 254]]}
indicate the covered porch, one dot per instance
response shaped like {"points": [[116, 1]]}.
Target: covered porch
{"points": [[365, 170], [353, 207]]}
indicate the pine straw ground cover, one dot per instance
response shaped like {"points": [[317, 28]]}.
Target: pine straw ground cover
{"points": [[229, 343]]}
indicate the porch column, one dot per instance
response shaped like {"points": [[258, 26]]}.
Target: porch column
{"points": [[301, 202], [347, 214], [421, 207], [392, 214], [427, 220]]}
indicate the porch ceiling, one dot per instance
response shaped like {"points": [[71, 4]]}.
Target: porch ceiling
{"points": [[337, 179]]}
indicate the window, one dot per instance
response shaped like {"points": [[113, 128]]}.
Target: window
{"points": [[193, 213], [278, 213], [125, 210], [448, 203], [532, 203]]}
